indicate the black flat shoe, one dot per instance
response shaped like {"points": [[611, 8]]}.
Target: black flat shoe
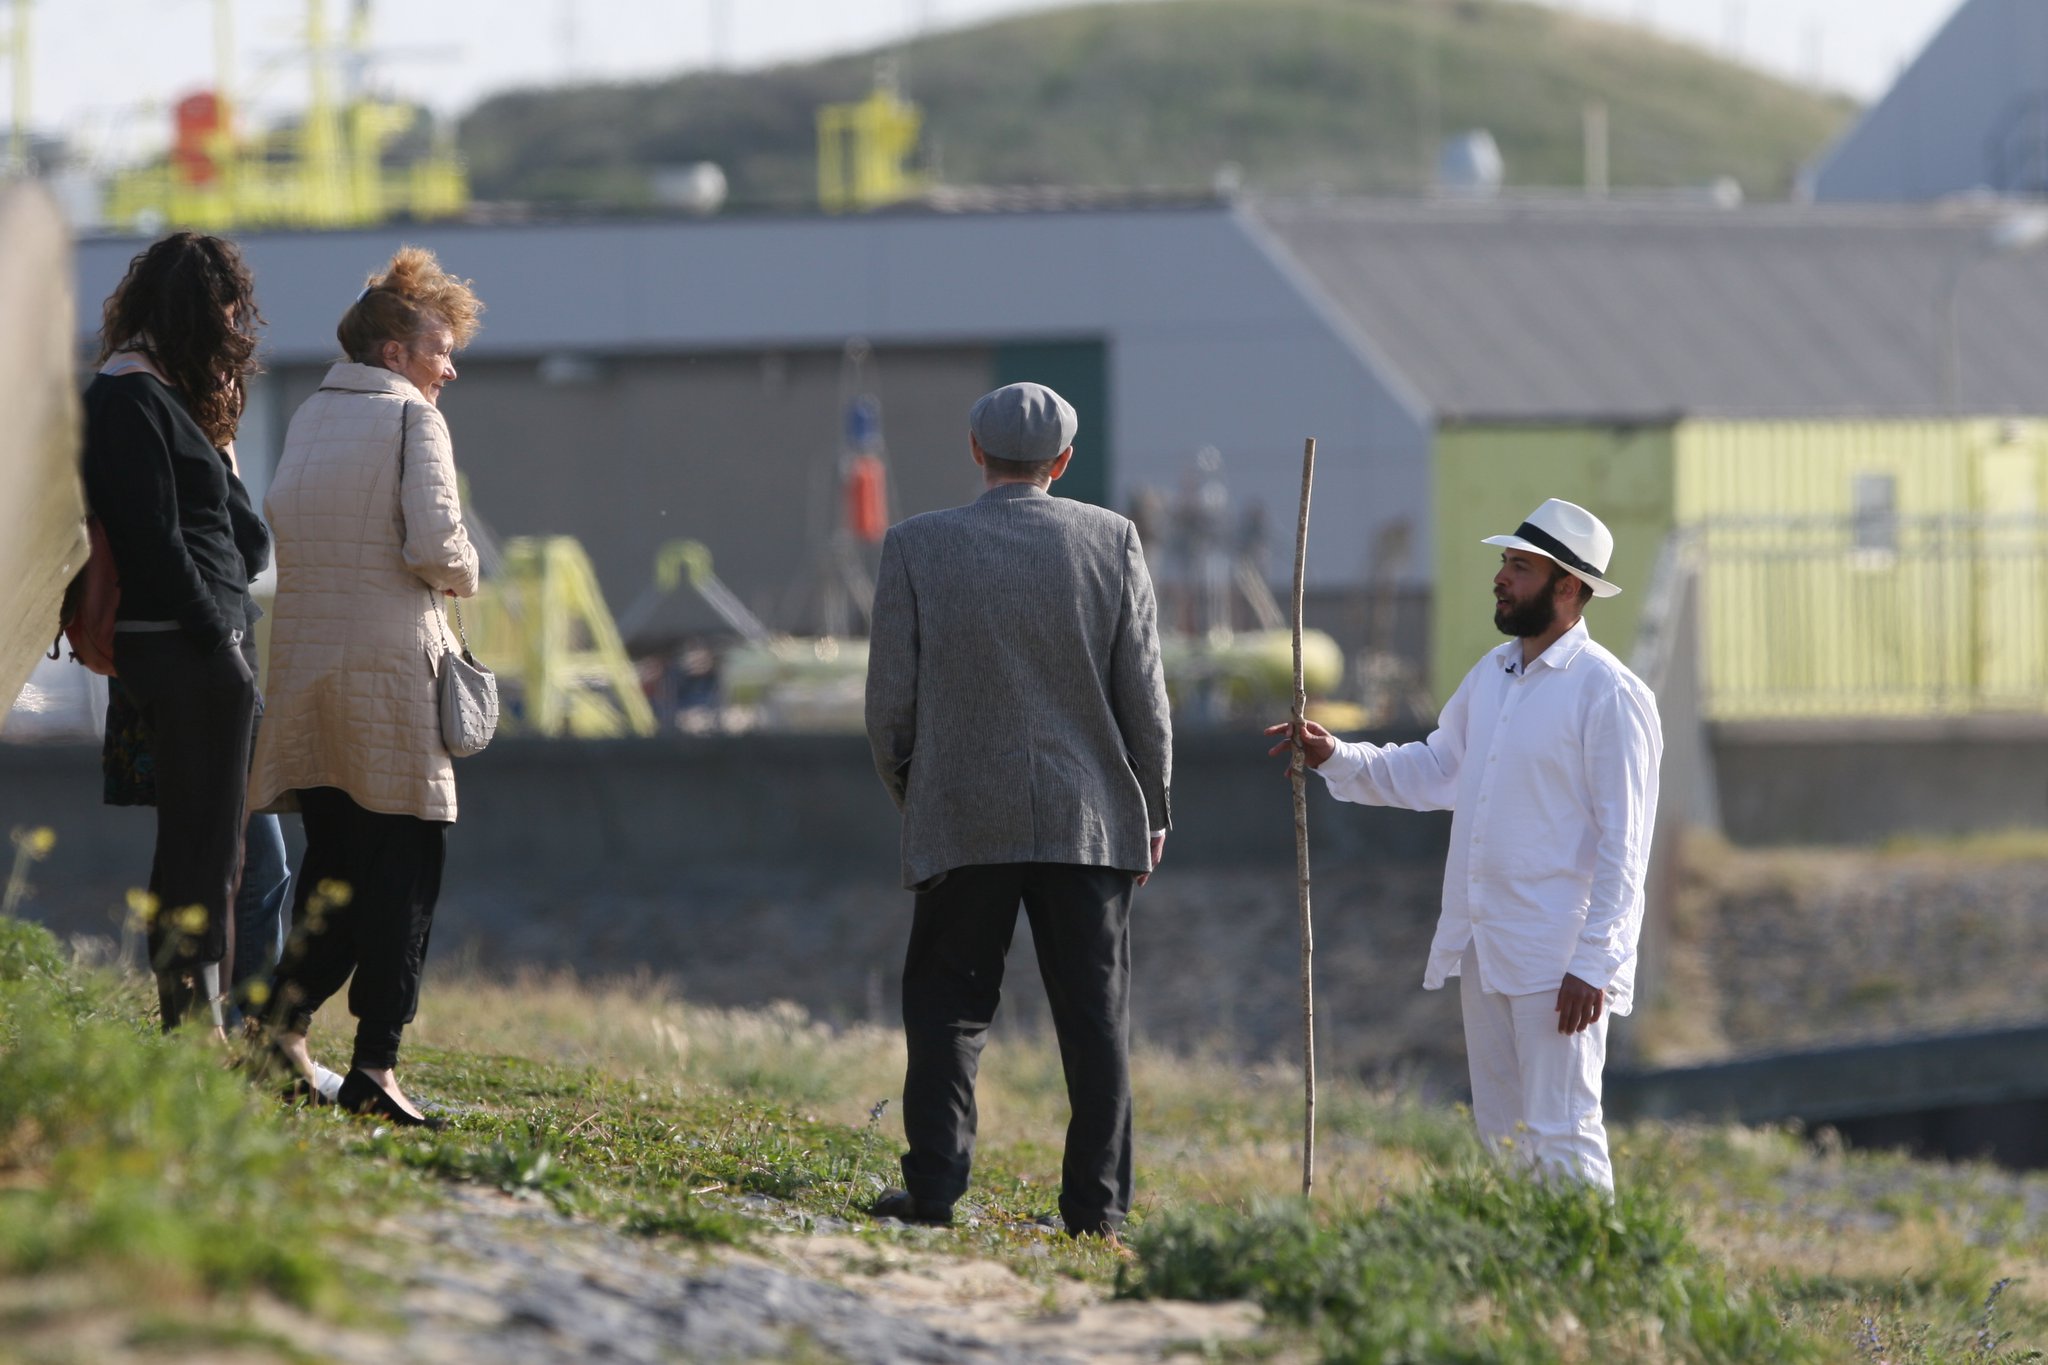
{"points": [[361, 1095], [906, 1207]]}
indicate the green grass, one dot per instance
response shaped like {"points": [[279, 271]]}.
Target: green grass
{"points": [[1299, 93], [123, 1149], [147, 1171], [681, 1161]]}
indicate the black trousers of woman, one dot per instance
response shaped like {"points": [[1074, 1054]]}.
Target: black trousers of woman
{"points": [[200, 705], [363, 903]]}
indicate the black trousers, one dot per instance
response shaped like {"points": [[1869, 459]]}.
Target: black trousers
{"points": [[363, 903], [200, 706], [952, 982]]}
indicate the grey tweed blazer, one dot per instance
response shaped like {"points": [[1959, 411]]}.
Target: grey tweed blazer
{"points": [[1015, 702]]}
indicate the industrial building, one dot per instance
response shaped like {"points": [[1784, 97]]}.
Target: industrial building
{"points": [[1672, 364], [1834, 412], [638, 382]]}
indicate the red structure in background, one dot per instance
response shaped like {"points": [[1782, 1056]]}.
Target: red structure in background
{"points": [[198, 121], [867, 498]]}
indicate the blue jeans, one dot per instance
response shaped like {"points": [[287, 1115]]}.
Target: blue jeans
{"points": [[259, 908]]}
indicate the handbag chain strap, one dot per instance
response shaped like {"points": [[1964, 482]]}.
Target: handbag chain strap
{"points": [[456, 607], [404, 425]]}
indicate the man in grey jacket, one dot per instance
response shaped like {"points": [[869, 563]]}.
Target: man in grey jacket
{"points": [[1018, 715]]}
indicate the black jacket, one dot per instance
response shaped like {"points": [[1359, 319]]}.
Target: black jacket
{"points": [[167, 500]]}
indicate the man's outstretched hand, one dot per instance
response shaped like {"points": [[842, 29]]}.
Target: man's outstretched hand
{"points": [[1317, 744], [1578, 1005]]}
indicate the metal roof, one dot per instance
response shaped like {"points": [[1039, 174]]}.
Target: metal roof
{"points": [[1565, 310]]}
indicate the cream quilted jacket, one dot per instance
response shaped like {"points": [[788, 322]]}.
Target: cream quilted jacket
{"points": [[357, 633]]}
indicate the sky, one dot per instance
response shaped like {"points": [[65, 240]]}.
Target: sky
{"points": [[105, 70]]}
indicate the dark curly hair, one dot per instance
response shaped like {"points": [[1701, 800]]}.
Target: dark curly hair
{"points": [[172, 306]]}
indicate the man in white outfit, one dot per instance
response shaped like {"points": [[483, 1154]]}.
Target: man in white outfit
{"points": [[1547, 757]]}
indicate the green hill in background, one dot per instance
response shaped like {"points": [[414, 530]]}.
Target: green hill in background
{"points": [[1348, 95]]}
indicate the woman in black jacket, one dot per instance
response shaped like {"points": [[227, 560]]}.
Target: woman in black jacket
{"points": [[178, 342]]}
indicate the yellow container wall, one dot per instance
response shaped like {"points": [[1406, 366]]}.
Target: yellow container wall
{"points": [[1942, 611], [1808, 469], [1488, 478]]}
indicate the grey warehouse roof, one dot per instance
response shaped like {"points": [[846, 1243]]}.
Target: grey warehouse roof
{"points": [[1569, 310]]}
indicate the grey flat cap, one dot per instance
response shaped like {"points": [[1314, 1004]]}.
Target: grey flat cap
{"points": [[1028, 423]]}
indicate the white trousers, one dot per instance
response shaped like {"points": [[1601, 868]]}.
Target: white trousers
{"points": [[1535, 1091]]}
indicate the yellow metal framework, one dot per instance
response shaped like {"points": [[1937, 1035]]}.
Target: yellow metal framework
{"points": [[864, 151], [542, 624], [327, 172]]}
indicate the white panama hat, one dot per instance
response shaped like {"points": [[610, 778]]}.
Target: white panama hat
{"points": [[1568, 534]]}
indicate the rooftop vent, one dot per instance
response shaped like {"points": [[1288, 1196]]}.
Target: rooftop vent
{"points": [[1469, 165]]}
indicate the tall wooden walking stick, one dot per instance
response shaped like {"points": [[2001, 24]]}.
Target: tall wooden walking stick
{"points": [[1298, 776]]}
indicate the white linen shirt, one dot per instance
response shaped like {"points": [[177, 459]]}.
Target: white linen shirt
{"points": [[1551, 774]]}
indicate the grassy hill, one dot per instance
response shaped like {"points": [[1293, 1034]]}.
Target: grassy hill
{"points": [[1343, 94]]}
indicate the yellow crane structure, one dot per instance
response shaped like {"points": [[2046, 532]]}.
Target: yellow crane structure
{"points": [[326, 172], [864, 149]]}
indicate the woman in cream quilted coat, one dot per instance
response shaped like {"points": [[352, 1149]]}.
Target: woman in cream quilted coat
{"points": [[369, 537]]}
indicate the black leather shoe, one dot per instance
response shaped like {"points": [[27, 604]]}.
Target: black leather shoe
{"points": [[1090, 1227], [361, 1095], [906, 1207]]}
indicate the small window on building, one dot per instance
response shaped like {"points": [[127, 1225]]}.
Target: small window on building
{"points": [[1874, 515]]}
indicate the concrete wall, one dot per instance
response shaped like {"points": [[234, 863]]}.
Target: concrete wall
{"points": [[634, 813], [1864, 782], [763, 868], [1960, 1097]]}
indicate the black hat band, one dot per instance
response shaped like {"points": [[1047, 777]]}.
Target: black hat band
{"points": [[1555, 548]]}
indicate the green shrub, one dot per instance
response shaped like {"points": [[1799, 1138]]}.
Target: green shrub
{"points": [[28, 952], [1480, 1264]]}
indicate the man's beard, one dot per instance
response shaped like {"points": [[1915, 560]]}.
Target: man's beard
{"points": [[1526, 620]]}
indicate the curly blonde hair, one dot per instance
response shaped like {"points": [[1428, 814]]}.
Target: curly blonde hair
{"points": [[412, 297]]}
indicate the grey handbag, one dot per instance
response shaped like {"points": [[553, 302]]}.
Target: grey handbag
{"points": [[466, 691], [469, 696]]}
